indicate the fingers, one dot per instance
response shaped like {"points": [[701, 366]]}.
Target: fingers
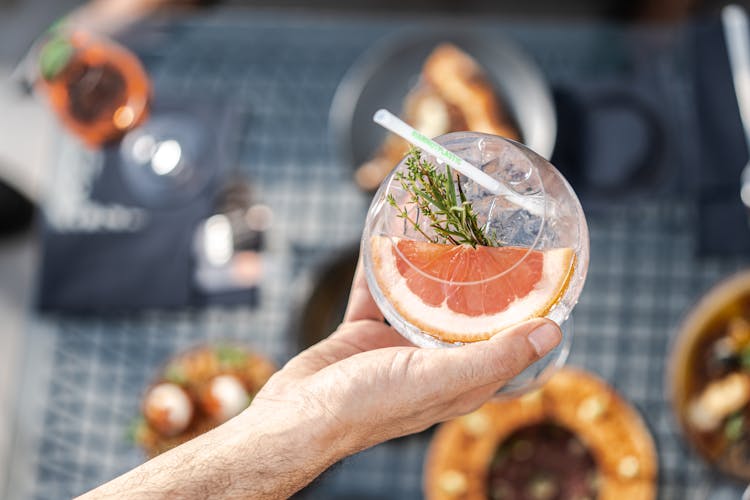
{"points": [[366, 335], [375, 383], [351, 338], [495, 361], [361, 305]]}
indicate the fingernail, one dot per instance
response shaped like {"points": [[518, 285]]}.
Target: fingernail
{"points": [[544, 338]]}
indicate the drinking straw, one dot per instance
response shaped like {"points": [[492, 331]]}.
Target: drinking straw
{"points": [[388, 120]]}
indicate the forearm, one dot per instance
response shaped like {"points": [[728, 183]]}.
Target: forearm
{"points": [[110, 16], [250, 456]]}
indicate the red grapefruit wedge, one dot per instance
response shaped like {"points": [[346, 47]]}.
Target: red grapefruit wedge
{"points": [[458, 293]]}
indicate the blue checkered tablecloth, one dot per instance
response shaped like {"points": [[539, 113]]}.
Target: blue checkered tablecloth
{"points": [[83, 377]]}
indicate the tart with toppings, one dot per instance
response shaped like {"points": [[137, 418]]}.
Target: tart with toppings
{"points": [[575, 438], [196, 391], [711, 376]]}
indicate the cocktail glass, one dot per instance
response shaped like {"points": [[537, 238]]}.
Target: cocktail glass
{"points": [[438, 294]]}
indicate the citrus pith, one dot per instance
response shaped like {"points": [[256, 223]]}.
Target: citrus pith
{"points": [[459, 293]]}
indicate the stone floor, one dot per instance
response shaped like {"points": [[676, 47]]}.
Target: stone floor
{"points": [[23, 146], [25, 137], [17, 263]]}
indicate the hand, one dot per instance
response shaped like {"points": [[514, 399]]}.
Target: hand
{"points": [[367, 384], [362, 385]]}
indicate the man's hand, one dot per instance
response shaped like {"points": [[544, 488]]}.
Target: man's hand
{"points": [[369, 384], [363, 385]]}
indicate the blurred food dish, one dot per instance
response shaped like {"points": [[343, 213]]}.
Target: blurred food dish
{"points": [[466, 83], [710, 376], [196, 391], [453, 94], [573, 438]]}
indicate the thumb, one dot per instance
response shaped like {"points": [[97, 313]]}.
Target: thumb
{"points": [[494, 361]]}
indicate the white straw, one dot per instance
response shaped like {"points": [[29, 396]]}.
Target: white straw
{"points": [[388, 120]]}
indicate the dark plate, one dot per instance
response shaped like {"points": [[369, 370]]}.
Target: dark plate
{"points": [[383, 76], [324, 309]]}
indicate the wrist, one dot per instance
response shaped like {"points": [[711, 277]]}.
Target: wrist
{"points": [[290, 440]]}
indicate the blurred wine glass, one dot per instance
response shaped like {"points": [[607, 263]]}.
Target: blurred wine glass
{"points": [[165, 161]]}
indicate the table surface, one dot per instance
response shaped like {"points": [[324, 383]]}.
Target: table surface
{"points": [[82, 377]]}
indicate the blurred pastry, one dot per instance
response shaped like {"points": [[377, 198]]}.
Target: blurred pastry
{"points": [[196, 391], [453, 94], [574, 438]]}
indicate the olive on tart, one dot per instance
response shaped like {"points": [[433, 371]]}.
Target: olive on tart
{"points": [[453, 94], [574, 438], [196, 391]]}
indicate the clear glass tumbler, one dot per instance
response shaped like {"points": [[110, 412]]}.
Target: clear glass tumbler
{"points": [[437, 293]]}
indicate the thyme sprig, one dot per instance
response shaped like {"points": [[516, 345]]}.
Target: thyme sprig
{"points": [[451, 215]]}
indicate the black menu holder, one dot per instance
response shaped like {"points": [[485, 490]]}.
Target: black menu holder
{"points": [[114, 244]]}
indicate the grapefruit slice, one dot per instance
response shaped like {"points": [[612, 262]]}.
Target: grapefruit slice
{"points": [[458, 293]]}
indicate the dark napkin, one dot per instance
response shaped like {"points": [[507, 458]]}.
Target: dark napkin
{"points": [[105, 270], [722, 218], [610, 142]]}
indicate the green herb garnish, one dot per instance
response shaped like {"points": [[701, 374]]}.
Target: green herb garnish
{"points": [[54, 57], [230, 357], [442, 201], [734, 426], [135, 429], [175, 373]]}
